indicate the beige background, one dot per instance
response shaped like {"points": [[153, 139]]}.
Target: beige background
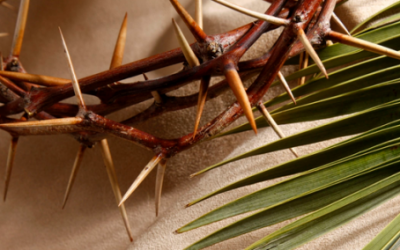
{"points": [[32, 218]]}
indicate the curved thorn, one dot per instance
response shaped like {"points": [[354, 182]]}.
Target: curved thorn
{"points": [[286, 86], [145, 172], [190, 57], [159, 183], [273, 124], [75, 83], [10, 163], [74, 172], [199, 13], [204, 84], [108, 161], [43, 80], [362, 44], [194, 28], [271, 19], [338, 22], [20, 28], [310, 50], [120, 45], [236, 85]]}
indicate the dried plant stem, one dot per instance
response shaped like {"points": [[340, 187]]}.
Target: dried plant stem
{"points": [[10, 163]]}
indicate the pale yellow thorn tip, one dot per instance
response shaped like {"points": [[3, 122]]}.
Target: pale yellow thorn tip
{"points": [[75, 83], [74, 172], [205, 82], [271, 19], [286, 86], [20, 28], [10, 163], [337, 20], [310, 50], [145, 172], [190, 57], [362, 44], [3, 34], [112, 175], [199, 13], [273, 124], [159, 183], [120, 45], [236, 85]]}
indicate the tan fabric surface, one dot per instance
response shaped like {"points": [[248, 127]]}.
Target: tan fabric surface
{"points": [[32, 218]]}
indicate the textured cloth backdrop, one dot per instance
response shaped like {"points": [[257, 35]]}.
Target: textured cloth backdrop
{"points": [[32, 217]]}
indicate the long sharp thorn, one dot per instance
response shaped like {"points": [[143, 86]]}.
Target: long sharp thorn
{"points": [[190, 57], [74, 172], [196, 30], [236, 85], [362, 44], [120, 45], [159, 183], [145, 172], [10, 164], [7, 5], [204, 84], [3, 34], [45, 127], [310, 50], [20, 28], [336, 19], [75, 83], [273, 124], [108, 161], [271, 19], [303, 63], [199, 13], [47, 81], [286, 86]]}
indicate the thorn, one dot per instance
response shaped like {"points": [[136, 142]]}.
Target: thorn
{"points": [[75, 83], [20, 28], [10, 163], [303, 64], [3, 34], [146, 171], [310, 50], [120, 45], [43, 80], [362, 44], [159, 183], [196, 30], [271, 19], [190, 57], [199, 13], [236, 85], [273, 124], [39, 127], [7, 5], [157, 97], [74, 172], [286, 86], [108, 161], [204, 83], [336, 20], [329, 43]]}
